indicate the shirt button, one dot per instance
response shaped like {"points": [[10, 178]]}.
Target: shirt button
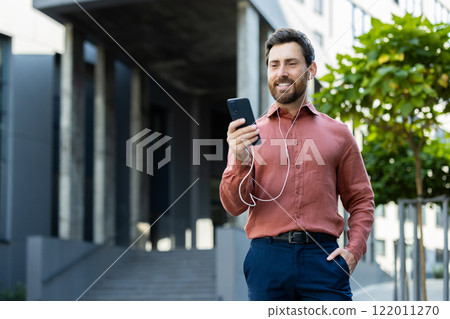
{"points": [[298, 216], [297, 192], [297, 166]]}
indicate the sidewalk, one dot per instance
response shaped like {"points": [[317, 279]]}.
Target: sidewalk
{"points": [[385, 291]]}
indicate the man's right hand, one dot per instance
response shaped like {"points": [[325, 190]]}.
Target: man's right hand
{"points": [[239, 139]]}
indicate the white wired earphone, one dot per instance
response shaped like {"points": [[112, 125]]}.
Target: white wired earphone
{"points": [[253, 197]]}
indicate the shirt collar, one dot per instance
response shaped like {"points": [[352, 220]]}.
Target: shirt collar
{"points": [[273, 108]]}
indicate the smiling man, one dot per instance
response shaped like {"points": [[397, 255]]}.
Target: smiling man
{"points": [[294, 223]]}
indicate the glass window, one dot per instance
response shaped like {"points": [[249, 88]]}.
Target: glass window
{"points": [[410, 212], [439, 216], [319, 38], [409, 251], [379, 211], [318, 6], [360, 21], [366, 23], [439, 255], [380, 247]]}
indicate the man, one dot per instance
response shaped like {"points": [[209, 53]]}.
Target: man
{"points": [[294, 254]]}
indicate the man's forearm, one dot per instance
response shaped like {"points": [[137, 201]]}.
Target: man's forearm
{"points": [[229, 186]]}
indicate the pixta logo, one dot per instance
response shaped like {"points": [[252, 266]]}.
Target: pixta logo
{"points": [[147, 141], [145, 145]]}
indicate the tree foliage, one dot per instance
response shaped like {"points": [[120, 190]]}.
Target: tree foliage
{"points": [[392, 170], [397, 80]]}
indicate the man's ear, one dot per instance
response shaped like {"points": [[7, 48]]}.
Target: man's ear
{"points": [[312, 70]]}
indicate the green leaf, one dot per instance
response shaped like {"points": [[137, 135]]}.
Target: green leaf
{"points": [[365, 82], [401, 74], [385, 70], [353, 78], [373, 55], [376, 24], [386, 88], [414, 41], [406, 108], [328, 78]]}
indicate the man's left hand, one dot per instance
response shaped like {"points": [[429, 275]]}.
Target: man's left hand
{"points": [[348, 257]]}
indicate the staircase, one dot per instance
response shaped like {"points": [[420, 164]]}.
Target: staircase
{"points": [[173, 275]]}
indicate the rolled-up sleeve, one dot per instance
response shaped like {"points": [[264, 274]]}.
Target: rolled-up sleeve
{"points": [[357, 197], [232, 176]]}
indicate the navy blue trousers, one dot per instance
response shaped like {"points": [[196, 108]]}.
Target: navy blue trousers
{"points": [[277, 270]]}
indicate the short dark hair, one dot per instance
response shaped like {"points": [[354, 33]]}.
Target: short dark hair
{"points": [[286, 35]]}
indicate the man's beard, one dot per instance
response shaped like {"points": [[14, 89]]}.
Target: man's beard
{"points": [[290, 95]]}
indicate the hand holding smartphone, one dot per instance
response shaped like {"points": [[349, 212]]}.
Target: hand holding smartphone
{"points": [[241, 108]]}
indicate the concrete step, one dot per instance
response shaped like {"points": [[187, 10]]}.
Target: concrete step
{"points": [[174, 275]]}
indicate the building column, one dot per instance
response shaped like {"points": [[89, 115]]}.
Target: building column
{"points": [[248, 51], [104, 148], [195, 192], [136, 125], [266, 98], [180, 174], [248, 65], [72, 138], [144, 180]]}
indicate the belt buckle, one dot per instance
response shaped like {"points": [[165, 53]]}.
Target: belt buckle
{"points": [[297, 237]]}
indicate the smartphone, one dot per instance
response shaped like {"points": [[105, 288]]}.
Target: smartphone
{"points": [[240, 108]]}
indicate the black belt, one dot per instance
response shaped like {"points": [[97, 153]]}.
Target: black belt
{"points": [[302, 237]]}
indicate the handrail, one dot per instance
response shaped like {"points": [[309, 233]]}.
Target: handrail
{"points": [[401, 247], [423, 200]]}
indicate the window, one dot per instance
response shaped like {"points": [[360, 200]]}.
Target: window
{"points": [[424, 214], [379, 211], [360, 21], [380, 247], [411, 6], [319, 38], [411, 213], [439, 255], [440, 11], [439, 216], [318, 6], [409, 251]]}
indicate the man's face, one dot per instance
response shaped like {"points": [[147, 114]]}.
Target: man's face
{"points": [[286, 65]]}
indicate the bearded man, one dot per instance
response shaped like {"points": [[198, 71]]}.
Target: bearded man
{"points": [[305, 162]]}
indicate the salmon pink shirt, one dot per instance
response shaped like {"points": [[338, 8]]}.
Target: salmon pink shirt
{"points": [[325, 164]]}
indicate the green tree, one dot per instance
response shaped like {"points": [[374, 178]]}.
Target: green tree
{"points": [[392, 169], [397, 80]]}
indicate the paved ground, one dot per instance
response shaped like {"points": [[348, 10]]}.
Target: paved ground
{"points": [[385, 291]]}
